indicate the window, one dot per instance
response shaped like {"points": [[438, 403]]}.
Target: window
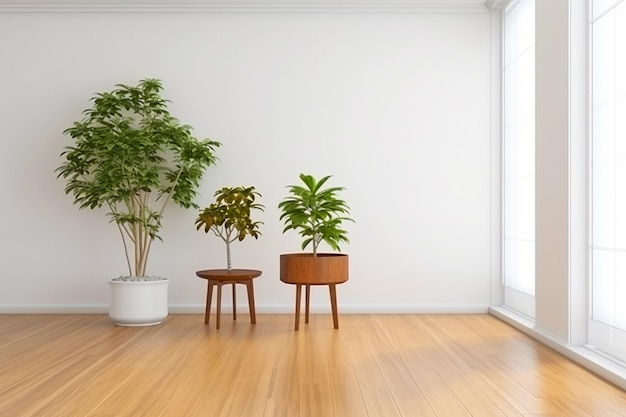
{"points": [[519, 156], [607, 327]]}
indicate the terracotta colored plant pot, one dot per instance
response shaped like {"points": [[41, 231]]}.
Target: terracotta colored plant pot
{"points": [[323, 269]]}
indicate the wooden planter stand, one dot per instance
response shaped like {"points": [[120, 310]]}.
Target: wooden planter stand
{"points": [[324, 269]]}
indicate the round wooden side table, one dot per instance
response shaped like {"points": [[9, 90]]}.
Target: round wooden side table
{"points": [[219, 277]]}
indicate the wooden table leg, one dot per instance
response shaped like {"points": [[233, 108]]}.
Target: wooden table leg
{"points": [[307, 298], [251, 307], [333, 304], [219, 303], [209, 296], [298, 297], [234, 303]]}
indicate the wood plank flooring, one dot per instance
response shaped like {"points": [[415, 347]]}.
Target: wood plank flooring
{"points": [[374, 365]]}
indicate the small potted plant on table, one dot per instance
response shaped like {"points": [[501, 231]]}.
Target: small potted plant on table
{"points": [[229, 218], [317, 214], [132, 157]]}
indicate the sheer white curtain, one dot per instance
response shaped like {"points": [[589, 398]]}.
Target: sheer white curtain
{"points": [[519, 156], [607, 327]]}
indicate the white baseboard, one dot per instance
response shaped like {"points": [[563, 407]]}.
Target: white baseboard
{"points": [[260, 309], [55, 309]]}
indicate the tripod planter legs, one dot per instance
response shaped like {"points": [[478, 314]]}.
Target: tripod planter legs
{"points": [[333, 304]]}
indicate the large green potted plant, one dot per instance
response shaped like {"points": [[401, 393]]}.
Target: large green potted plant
{"points": [[317, 214], [130, 156], [229, 217]]}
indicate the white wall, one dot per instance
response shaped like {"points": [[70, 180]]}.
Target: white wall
{"points": [[395, 105]]}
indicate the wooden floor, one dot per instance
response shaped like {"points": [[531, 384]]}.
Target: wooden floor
{"points": [[374, 365]]}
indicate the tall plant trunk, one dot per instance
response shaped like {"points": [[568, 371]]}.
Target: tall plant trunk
{"points": [[144, 259], [137, 243], [130, 269], [228, 263]]}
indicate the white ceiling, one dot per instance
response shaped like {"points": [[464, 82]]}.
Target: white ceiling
{"points": [[256, 3]]}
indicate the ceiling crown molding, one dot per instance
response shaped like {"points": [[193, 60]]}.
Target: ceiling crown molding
{"points": [[258, 6], [497, 4]]}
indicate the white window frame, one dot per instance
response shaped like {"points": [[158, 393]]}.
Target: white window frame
{"points": [[517, 296], [606, 331]]}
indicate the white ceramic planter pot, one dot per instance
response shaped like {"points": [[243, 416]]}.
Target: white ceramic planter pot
{"points": [[138, 303]]}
